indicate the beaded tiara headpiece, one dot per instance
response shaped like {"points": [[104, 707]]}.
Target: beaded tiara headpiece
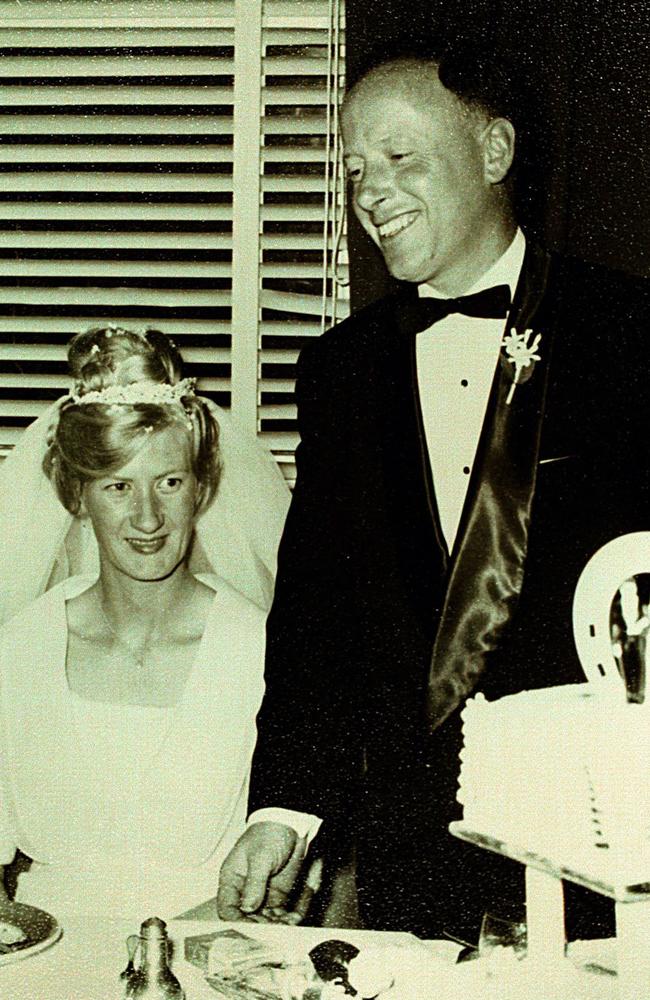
{"points": [[134, 393]]}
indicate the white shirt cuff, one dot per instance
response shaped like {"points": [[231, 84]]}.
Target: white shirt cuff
{"points": [[305, 825], [7, 853]]}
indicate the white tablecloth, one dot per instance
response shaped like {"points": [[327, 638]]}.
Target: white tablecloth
{"points": [[86, 963]]}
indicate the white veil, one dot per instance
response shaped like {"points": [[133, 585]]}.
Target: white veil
{"points": [[237, 537]]}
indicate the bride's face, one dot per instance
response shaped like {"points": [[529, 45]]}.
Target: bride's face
{"points": [[143, 514]]}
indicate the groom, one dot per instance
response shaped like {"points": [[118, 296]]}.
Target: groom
{"points": [[466, 445]]}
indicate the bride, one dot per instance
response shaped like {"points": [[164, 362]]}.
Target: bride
{"points": [[128, 696]]}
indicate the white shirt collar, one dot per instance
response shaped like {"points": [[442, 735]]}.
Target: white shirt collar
{"points": [[505, 271]]}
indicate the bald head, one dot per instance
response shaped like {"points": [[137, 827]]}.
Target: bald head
{"points": [[482, 83], [418, 81], [427, 170]]}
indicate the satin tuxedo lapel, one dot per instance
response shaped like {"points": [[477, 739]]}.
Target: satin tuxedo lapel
{"points": [[487, 564]]}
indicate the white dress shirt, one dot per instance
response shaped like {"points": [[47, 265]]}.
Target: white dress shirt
{"points": [[456, 359]]}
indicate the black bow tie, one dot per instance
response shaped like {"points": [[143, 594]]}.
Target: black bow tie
{"points": [[491, 303]]}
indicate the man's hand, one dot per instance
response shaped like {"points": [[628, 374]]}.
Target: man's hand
{"points": [[260, 872]]}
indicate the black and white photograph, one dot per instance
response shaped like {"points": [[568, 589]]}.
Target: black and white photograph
{"points": [[324, 499]]}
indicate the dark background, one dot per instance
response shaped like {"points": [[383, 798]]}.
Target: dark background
{"points": [[581, 69]]}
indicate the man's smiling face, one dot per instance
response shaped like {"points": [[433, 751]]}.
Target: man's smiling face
{"points": [[415, 159]]}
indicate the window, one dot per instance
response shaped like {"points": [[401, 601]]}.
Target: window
{"points": [[171, 169]]}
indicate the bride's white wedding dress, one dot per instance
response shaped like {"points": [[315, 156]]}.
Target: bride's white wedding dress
{"points": [[125, 809]]}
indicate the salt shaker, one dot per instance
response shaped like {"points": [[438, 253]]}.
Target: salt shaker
{"points": [[154, 980]]}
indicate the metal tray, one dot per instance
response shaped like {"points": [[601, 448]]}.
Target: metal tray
{"points": [[41, 930]]}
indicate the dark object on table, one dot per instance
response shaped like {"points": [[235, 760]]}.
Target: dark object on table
{"points": [[467, 954], [154, 979], [24, 931], [132, 943], [331, 960]]}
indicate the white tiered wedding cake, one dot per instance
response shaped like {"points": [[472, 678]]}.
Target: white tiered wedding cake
{"points": [[563, 772]]}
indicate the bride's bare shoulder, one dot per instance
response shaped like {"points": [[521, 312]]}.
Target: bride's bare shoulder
{"points": [[81, 611]]}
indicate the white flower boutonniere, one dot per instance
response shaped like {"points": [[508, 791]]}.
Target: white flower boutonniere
{"points": [[520, 352]]}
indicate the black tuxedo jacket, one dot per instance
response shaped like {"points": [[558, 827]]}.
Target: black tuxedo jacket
{"points": [[378, 633]]}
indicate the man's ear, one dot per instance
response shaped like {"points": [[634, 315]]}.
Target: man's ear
{"points": [[498, 141]]}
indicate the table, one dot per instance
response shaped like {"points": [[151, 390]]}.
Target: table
{"points": [[85, 964]]}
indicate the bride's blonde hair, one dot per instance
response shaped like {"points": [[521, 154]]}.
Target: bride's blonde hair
{"points": [[93, 439]]}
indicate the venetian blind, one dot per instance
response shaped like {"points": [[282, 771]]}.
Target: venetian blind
{"points": [[303, 262], [169, 169]]}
